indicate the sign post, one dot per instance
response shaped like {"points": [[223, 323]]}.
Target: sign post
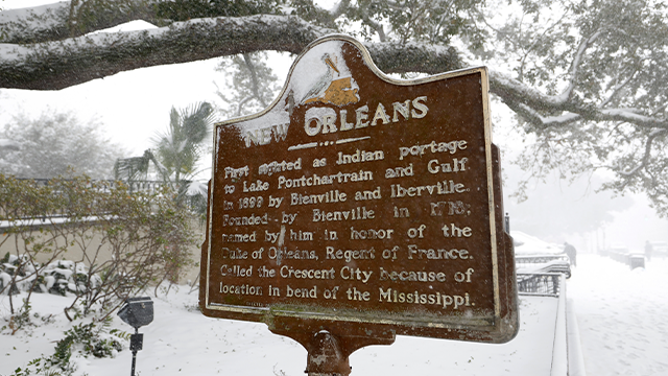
{"points": [[358, 207]]}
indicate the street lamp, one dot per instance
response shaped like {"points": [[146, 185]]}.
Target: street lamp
{"points": [[136, 312]]}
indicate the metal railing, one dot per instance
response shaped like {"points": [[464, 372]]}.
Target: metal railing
{"points": [[537, 259], [539, 284], [133, 186], [537, 264]]}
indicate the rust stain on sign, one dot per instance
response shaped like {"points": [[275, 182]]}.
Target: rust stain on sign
{"points": [[361, 205]]}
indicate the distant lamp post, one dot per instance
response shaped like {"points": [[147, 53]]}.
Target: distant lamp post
{"points": [[136, 312]]}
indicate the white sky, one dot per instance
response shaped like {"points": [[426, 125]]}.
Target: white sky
{"points": [[133, 105]]}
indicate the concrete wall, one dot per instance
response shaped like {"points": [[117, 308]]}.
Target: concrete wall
{"points": [[10, 243]]}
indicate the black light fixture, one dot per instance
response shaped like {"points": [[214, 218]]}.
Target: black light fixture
{"points": [[136, 312]]}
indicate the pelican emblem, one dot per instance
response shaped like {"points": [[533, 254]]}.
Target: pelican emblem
{"points": [[328, 60], [326, 89]]}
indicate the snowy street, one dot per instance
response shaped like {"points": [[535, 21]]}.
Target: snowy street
{"points": [[621, 315]]}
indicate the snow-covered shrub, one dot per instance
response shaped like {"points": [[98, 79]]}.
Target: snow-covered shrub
{"points": [[20, 320], [59, 277], [88, 339], [6, 271], [118, 241], [16, 274]]}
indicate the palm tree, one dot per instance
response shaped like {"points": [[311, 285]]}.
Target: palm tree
{"points": [[176, 152], [180, 148]]}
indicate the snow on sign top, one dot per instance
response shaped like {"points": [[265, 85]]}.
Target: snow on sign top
{"points": [[361, 205]]}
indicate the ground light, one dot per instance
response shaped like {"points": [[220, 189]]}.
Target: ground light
{"points": [[136, 312]]}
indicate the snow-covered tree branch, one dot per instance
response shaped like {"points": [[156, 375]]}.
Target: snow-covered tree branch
{"points": [[59, 64], [590, 75]]}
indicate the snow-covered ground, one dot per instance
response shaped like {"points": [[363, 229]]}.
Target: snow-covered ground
{"points": [[182, 341], [621, 316]]}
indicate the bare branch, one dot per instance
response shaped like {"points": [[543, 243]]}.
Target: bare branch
{"points": [[617, 89], [575, 65], [645, 159], [254, 80], [378, 28], [241, 105]]}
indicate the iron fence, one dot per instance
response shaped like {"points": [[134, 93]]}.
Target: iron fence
{"points": [[539, 284]]}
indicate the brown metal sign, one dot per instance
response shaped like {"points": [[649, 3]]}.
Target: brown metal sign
{"points": [[361, 203]]}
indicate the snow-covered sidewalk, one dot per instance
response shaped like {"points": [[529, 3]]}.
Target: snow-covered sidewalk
{"points": [[622, 315]]}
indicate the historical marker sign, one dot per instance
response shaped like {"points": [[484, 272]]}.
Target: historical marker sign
{"points": [[359, 201]]}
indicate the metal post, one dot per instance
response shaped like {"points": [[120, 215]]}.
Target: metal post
{"points": [[134, 361], [134, 353], [136, 312], [136, 344], [329, 351], [326, 358]]}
